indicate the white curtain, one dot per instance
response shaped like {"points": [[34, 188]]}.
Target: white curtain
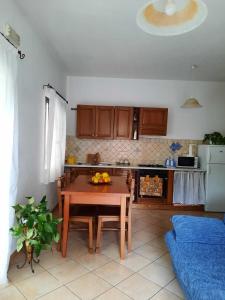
{"points": [[189, 188], [8, 150], [54, 136]]}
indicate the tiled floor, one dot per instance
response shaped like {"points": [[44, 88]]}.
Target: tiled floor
{"points": [[145, 274]]}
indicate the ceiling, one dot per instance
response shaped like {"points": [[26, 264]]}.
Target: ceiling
{"points": [[100, 38]]}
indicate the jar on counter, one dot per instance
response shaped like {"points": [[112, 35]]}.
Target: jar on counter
{"points": [[71, 160]]}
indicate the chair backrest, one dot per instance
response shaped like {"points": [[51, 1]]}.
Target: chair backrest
{"points": [[131, 188], [61, 183]]}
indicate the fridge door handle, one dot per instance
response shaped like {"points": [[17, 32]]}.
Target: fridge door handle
{"points": [[209, 170], [209, 156]]}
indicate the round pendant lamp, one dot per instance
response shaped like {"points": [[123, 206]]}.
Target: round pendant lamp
{"points": [[171, 17]]}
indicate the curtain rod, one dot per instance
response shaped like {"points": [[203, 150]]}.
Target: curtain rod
{"points": [[21, 55], [51, 87]]}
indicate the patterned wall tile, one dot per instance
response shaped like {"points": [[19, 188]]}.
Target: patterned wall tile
{"points": [[153, 150]]}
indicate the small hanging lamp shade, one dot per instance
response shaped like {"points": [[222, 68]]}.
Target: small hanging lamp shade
{"points": [[191, 103], [171, 17]]}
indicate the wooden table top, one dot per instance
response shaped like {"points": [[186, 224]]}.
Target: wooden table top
{"points": [[82, 185]]}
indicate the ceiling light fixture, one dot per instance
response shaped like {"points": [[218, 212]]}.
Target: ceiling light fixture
{"points": [[171, 17], [170, 8], [191, 102]]}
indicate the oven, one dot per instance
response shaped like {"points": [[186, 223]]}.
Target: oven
{"points": [[152, 183]]}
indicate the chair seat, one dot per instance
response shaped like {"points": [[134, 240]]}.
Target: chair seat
{"points": [[109, 211]]}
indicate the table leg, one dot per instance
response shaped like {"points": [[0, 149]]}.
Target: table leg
{"points": [[65, 224], [122, 226]]}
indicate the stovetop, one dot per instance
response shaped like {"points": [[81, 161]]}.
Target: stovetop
{"points": [[151, 165]]}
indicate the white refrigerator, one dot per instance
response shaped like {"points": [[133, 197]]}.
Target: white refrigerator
{"points": [[212, 160]]}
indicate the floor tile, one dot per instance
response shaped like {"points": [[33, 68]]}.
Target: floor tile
{"points": [[139, 225], [159, 242], [158, 274], [38, 285], [174, 287], [49, 259], [89, 286], [150, 252], [5, 285], [138, 288], [165, 295], [134, 261], [165, 261], [113, 272], [136, 243], [17, 258], [11, 293], [15, 274], [61, 293], [113, 294], [68, 271], [93, 261], [112, 251], [76, 249], [144, 236]]}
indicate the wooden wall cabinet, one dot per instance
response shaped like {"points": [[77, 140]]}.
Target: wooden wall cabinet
{"points": [[95, 122], [108, 122], [153, 121], [123, 123], [86, 121]]}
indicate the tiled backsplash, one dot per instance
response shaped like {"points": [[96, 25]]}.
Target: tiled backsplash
{"points": [[145, 150]]}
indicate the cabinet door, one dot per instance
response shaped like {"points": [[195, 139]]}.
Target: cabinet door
{"points": [[153, 121], [104, 122], [123, 123], [85, 121]]}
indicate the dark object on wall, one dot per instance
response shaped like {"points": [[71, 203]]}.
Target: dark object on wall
{"points": [[215, 138], [21, 55]]}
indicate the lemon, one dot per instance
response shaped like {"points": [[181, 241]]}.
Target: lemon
{"points": [[105, 175]]}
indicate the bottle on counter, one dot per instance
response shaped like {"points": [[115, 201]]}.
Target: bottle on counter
{"points": [[167, 162]]}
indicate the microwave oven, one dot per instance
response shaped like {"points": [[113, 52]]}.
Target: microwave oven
{"points": [[187, 162]]}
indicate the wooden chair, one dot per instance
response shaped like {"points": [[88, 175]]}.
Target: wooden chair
{"points": [[76, 215], [115, 217]]}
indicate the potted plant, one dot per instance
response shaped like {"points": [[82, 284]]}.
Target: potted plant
{"points": [[35, 228], [215, 138]]}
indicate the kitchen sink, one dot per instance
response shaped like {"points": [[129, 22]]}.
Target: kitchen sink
{"points": [[99, 164]]}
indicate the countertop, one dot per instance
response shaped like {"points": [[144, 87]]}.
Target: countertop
{"points": [[133, 167]]}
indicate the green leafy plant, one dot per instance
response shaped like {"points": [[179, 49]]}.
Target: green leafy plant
{"points": [[35, 226], [215, 138]]}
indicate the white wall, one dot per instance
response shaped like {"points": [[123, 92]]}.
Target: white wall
{"points": [[38, 68], [182, 123]]}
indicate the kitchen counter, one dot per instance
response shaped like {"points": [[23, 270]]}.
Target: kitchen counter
{"points": [[132, 167]]}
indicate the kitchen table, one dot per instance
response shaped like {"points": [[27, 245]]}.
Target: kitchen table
{"points": [[81, 191]]}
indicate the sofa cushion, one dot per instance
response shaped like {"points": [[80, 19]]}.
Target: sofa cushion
{"points": [[199, 229], [200, 268]]}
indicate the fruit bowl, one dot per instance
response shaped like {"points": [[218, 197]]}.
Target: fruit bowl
{"points": [[100, 183], [100, 179]]}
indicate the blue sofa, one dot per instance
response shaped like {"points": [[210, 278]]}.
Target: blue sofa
{"points": [[197, 249]]}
